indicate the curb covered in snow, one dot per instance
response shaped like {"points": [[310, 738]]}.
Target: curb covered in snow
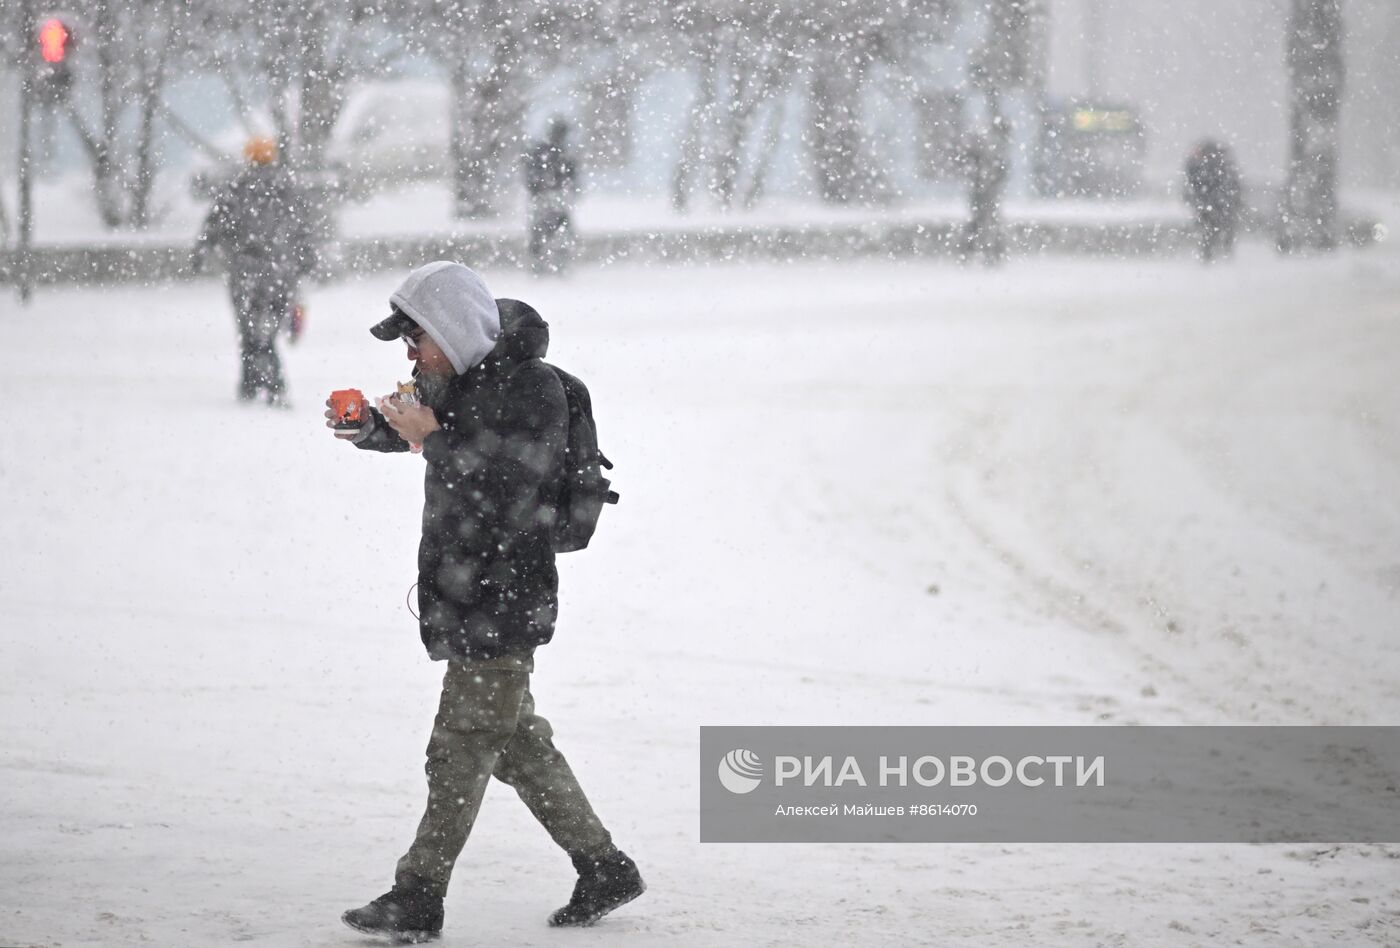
{"points": [[143, 263]]}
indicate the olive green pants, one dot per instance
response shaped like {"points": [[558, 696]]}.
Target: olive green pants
{"points": [[486, 726]]}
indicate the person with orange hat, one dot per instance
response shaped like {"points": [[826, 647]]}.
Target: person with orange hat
{"points": [[262, 223]]}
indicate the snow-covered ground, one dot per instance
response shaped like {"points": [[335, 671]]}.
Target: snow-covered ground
{"points": [[1062, 493]]}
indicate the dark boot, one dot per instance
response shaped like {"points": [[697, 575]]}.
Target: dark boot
{"points": [[410, 912], [604, 883], [248, 379]]}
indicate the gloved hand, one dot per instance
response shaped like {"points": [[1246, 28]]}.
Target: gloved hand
{"points": [[296, 324], [355, 436], [366, 429]]}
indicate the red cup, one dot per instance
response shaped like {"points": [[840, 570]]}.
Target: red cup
{"points": [[350, 408]]}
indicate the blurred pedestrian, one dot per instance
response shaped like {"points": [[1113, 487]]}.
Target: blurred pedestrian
{"points": [[551, 178], [1212, 189], [986, 174], [262, 223]]}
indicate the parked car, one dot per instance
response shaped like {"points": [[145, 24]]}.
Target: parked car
{"points": [[1090, 149], [387, 133], [391, 133]]}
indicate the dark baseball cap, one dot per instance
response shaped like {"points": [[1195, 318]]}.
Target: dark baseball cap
{"points": [[395, 326]]}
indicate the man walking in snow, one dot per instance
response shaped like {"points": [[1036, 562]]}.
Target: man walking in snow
{"points": [[551, 178], [1212, 189], [492, 421], [262, 224], [986, 172]]}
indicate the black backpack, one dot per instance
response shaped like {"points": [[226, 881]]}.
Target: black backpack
{"points": [[584, 489]]}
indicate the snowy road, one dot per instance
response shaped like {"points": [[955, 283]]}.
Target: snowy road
{"points": [[1069, 493]]}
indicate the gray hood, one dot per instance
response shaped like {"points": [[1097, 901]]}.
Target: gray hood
{"points": [[453, 305]]}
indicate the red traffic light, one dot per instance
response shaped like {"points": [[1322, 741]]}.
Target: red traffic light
{"points": [[54, 38]]}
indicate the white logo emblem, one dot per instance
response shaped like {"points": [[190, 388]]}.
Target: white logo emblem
{"points": [[740, 771]]}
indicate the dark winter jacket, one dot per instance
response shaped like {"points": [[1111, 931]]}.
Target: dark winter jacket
{"points": [[261, 221], [487, 583], [987, 173], [549, 168], [1213, 184]]}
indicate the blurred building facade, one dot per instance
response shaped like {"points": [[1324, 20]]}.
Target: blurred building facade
{"points": [[1200, 68]]}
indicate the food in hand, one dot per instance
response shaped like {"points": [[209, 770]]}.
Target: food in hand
{"points": [[405, 394]]}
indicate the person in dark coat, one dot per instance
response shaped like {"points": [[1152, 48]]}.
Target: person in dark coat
{"points": [[491, 420], [261, 222], [1212, 189], [986, 174], [551, 178]]}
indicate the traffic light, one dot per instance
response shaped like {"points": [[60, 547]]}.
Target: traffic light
{"points": [[54, 39]]}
